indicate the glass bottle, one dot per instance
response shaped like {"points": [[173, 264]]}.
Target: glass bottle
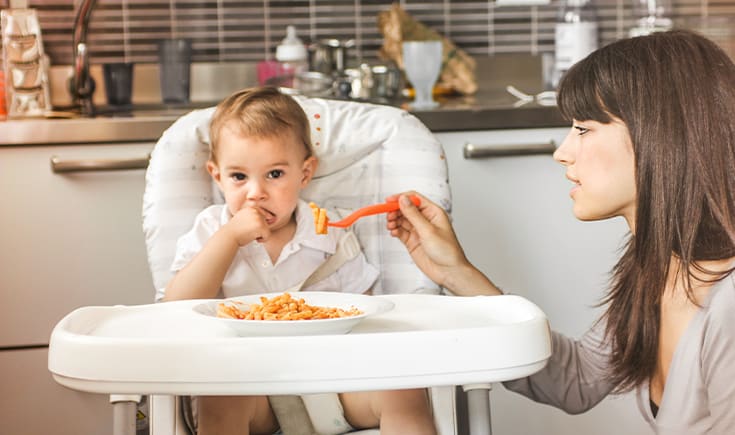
{"points": [[576, 34]]}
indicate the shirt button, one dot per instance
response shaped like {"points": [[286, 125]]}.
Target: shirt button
{"points": [[265, 263]]}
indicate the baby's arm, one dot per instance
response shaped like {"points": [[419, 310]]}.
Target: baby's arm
{"points": [[202, 277]]}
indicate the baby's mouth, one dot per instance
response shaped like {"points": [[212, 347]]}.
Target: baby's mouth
{"points": [[270, 217]]}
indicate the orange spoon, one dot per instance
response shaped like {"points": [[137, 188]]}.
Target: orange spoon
{"points": [[371, 210]]}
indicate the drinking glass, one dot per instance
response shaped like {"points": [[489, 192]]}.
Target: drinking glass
{"points": [[175, 62], [118, 83], [422, 61]]}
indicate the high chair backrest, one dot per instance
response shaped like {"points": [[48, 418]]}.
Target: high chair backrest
{"points": [[366, 152]]}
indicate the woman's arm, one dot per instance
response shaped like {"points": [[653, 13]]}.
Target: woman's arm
{"points": [[575, 378]]}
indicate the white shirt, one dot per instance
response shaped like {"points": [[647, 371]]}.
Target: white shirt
{"points": [[252, 270]]}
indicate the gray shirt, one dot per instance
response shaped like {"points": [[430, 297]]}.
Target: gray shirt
{"points": [[699, 395]]}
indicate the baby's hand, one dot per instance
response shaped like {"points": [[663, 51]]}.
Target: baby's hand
{"points": [[247, 225]]}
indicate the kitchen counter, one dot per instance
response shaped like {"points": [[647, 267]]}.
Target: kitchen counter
{"points": [[492, 107]]}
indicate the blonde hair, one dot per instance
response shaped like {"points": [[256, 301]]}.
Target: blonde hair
{"points": [[262, 112]]}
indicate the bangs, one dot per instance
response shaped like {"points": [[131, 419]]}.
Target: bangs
{"points": [[580, 97]]}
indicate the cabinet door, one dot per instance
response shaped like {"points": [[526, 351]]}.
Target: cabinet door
{"points": [[68, 239], [513, 216], [33, 403]]}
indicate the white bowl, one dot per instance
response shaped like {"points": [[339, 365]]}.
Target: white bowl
{"points": [[369, 305]]}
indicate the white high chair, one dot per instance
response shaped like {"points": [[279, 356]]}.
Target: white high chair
{"points": [[366, 152]]}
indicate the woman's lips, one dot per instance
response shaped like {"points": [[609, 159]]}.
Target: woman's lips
{"points": [[574, 190], [576, 186]]}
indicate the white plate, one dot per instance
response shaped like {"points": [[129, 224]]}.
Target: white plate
{"points": [[369, 305]]}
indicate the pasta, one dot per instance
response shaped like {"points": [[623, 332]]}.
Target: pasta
{"points": [[281, 307], [320, 218]]}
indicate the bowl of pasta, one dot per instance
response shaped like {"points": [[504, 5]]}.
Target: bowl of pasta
{"points": [[302, 313]]}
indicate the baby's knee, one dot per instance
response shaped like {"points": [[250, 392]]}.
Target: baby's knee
{"points": [[405, 398], [229, 414]]}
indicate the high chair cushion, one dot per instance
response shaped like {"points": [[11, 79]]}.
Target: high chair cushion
{"points": [[366, 152]]}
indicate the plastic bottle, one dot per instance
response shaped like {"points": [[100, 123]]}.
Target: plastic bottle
{"points": [[292, 55], [575, 34]]}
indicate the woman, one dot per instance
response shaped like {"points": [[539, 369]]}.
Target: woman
{"points": [[652, 141]]}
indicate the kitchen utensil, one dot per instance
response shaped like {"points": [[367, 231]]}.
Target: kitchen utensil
{"points": [[386, 81], [371, 210], [329, 56], [422, 61], [313, 84]]}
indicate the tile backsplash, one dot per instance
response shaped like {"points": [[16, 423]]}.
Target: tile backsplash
{"points": [[249, 30]]}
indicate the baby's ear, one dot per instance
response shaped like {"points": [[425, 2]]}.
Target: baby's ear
{"points": [[213, 170], [309, 168]]}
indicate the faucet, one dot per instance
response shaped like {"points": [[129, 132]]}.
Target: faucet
{"points": [[81, 83]]}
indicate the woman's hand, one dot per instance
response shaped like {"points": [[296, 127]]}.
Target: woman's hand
{"points": [[430, 239]]}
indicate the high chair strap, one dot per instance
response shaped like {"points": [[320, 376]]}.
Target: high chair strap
{"points": [[290, 411], [347, 248], [292, 415]]}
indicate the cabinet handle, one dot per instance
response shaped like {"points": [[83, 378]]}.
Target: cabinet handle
{"points": [[60, 166], [472, 151]]}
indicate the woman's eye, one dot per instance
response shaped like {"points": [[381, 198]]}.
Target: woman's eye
{"points": [[581, 130], [276, 173], [238, 176]]}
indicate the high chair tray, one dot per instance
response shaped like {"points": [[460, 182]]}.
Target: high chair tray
{"points": [[426, 340]]}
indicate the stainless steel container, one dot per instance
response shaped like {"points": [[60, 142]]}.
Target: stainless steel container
{"points": [[330, 56], [387, 81]]}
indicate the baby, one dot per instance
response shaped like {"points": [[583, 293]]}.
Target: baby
{"points": [[263, 241]]}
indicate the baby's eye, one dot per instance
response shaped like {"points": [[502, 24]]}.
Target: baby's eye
{"points": [[276, 173], [581, 129], [238, 176]]}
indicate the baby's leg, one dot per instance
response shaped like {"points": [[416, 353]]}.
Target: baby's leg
{"points": [[241, 415], [399, 412]]}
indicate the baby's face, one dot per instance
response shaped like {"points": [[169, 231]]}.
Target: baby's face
{"points": [[268, 173]]}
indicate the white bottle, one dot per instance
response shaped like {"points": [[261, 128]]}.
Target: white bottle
{"points": [[575, 34], [292, 55]]}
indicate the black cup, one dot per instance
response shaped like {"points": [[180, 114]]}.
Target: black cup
{"points": [[118, 83]]}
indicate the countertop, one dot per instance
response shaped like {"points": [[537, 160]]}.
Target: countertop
{"points": [[492, 107]]}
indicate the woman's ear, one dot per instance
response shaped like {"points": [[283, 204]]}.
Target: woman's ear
{"points": [[309, 168]]}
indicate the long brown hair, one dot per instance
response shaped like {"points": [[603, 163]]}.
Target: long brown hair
{"points": [[675, 92]]}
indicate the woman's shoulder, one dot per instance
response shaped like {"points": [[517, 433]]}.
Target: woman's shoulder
{"points": [[719, 314], [721, 302]]}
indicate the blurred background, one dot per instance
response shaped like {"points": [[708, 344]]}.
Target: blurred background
{"points": [[250, 30]]}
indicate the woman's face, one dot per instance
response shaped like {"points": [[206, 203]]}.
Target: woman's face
{"points": [[600, 162]]}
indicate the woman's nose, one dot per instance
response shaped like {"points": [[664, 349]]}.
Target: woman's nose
{"points": [[564, 154]]}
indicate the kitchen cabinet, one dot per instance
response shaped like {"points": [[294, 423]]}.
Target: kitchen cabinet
{"points": [[69, 239], [513, 215]]}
